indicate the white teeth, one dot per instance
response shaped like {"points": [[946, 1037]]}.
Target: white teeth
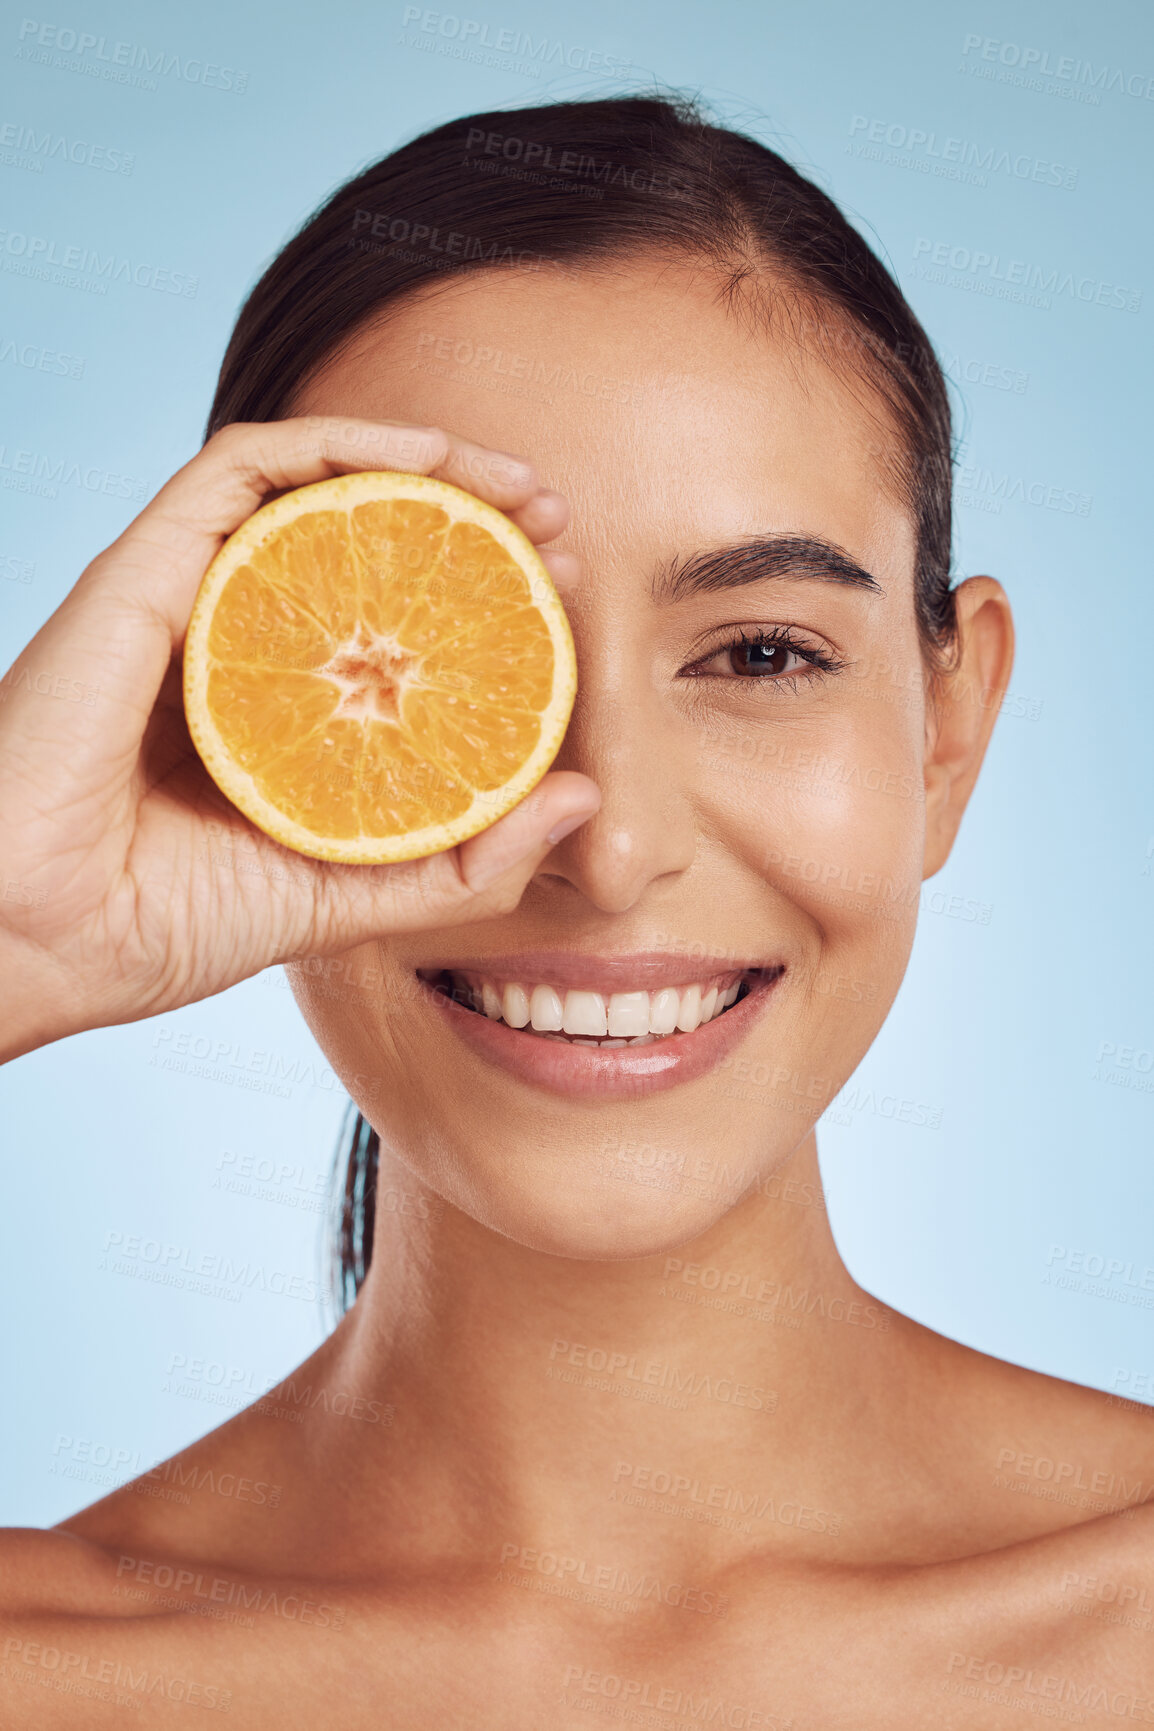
{"points": [[515, 1005], [598, 1018], [629, 1013], [545, 1010], [584, 1014], [664, 1008]]}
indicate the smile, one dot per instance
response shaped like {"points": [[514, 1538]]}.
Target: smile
{"points": [[590, 1018], [621, 1026]]}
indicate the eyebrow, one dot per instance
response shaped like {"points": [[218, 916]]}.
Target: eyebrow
{"points": [[765, 558]]}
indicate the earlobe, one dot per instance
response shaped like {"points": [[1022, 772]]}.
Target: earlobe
{"points": [[967, 702]]}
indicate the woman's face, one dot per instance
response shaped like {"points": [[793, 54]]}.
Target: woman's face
{"points": [[756, 812]]}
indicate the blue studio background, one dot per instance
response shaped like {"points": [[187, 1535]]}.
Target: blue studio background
{"points": [[988, 1166]]}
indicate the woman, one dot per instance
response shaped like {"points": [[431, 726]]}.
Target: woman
{"points": [[610, 1427]]}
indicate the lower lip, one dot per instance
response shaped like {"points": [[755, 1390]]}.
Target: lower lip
{"points": [[584, 1072]]}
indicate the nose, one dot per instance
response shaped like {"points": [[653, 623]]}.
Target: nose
{"points": [[645, 830]]}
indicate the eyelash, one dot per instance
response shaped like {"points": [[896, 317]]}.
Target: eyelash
{"points": [[820, 661]]}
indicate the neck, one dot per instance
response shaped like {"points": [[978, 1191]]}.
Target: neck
{"points": [[535, 1398]]}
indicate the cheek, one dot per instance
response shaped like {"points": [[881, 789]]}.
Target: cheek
{"points": [[849, 845], [836, 792], [365, 1011], [355, 1006], [853, 877], [829, 818]]}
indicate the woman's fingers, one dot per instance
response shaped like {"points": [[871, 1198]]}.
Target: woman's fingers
{"points": [[545, 515], [564, 570], [104, 805], [112, 638], [496, 476], [557, 805], [483, 876], [162, 556]]}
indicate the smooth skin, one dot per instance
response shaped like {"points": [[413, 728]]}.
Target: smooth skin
{"points": [[474, 1523]]}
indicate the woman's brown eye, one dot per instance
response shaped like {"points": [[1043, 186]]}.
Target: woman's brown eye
{"points": [[761, 658]]}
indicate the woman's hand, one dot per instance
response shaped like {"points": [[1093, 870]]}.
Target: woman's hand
{"points": [[130, 885]]}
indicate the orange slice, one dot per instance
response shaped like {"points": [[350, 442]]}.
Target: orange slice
{"points": [[377, 667]]}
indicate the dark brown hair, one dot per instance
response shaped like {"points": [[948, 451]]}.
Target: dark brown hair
{"points": [[582, 183]]}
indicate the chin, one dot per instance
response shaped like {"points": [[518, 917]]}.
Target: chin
{"points": [[606, 1210]]}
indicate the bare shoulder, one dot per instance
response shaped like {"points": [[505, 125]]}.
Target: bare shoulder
{"points": [[1046, 1593], [231, 1499], [1073, 1451], [1016, 1453], [215, 1507], [1059, 1625], [51, 1571], [1106, 1571], [93, 1636]]}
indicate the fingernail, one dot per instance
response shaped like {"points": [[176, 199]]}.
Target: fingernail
{"points": [[567, 826]]}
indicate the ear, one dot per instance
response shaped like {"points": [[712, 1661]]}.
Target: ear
{"points": [[963, 708]]}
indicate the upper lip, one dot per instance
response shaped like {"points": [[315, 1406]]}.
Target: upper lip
{"points": [[639, 970]]}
